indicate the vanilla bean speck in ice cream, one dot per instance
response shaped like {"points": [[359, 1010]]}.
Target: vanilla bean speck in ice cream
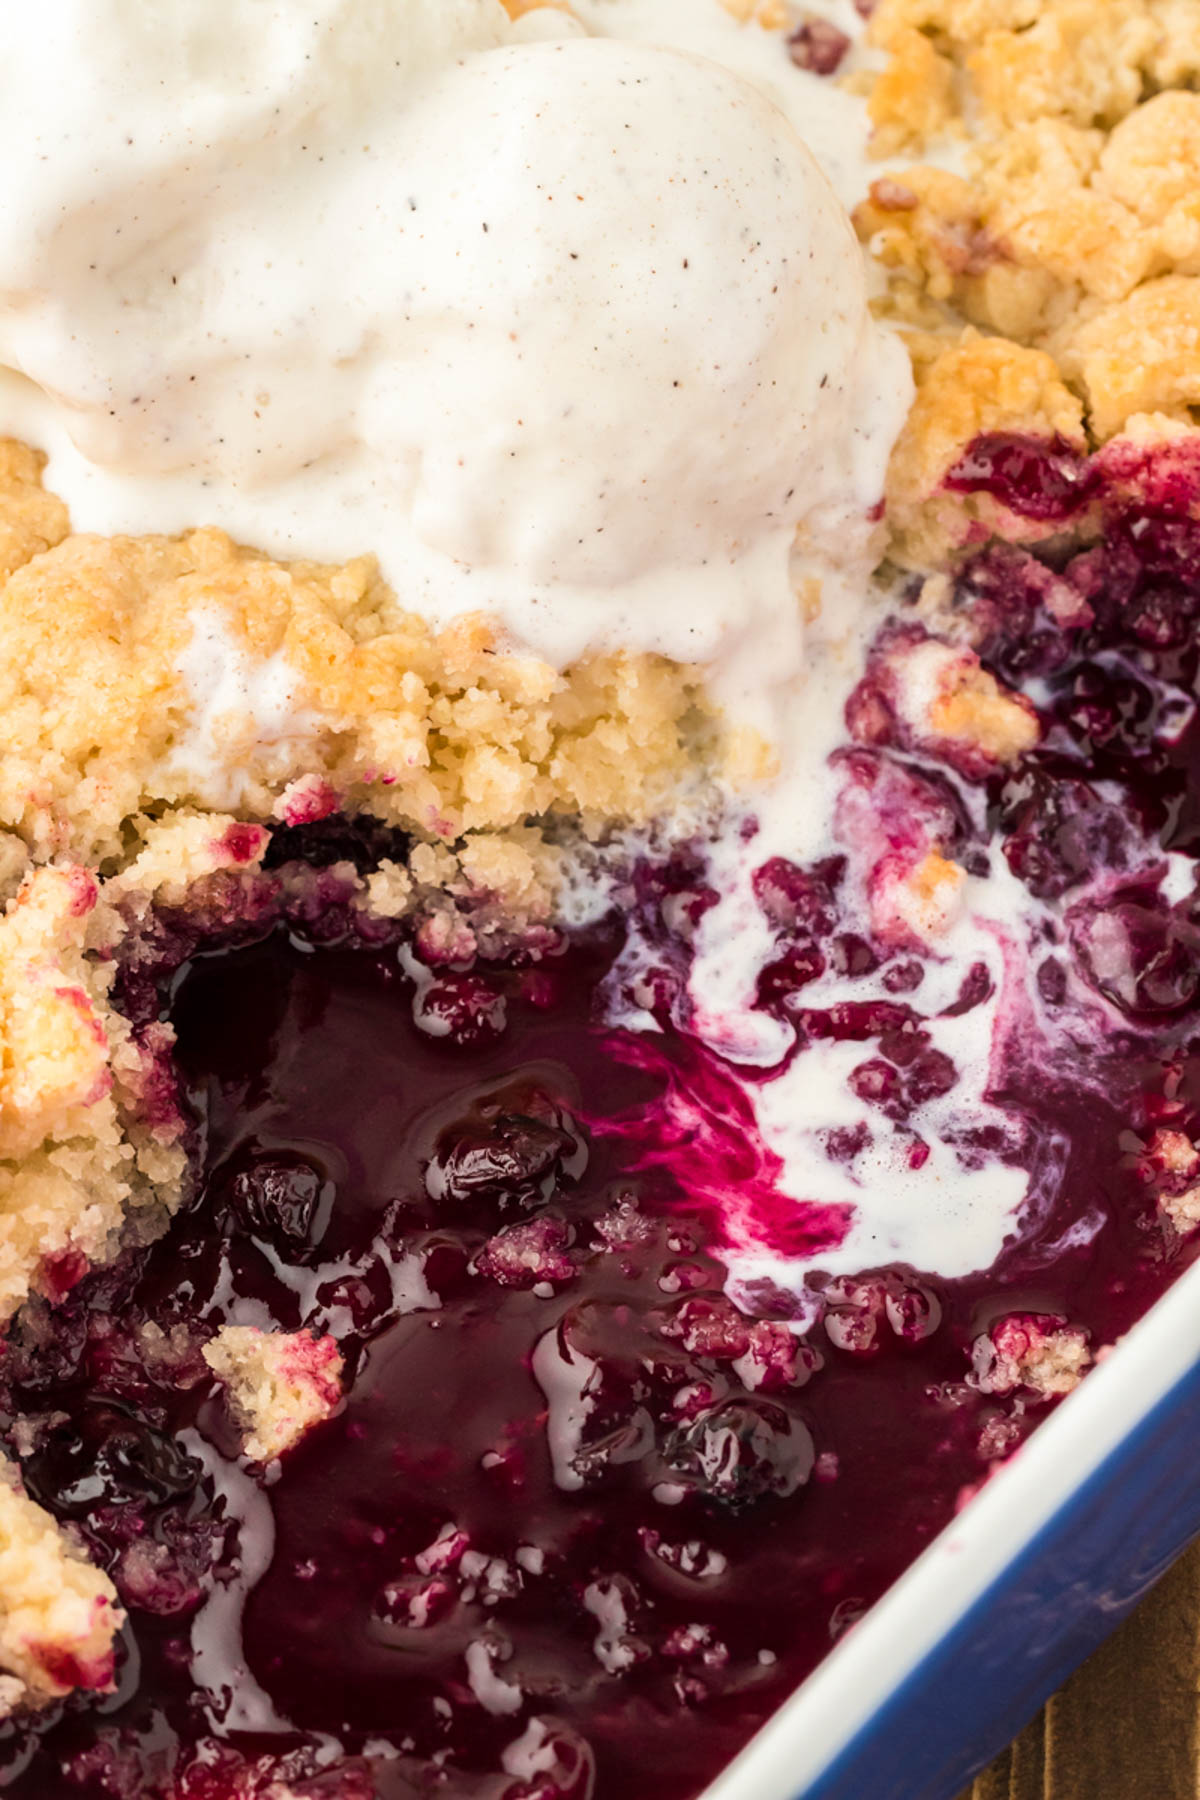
{"points": [[565, 329]]}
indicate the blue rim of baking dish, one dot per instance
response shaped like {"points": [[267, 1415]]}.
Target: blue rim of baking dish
{"points": [[1081, 1574], [961, 1651]]}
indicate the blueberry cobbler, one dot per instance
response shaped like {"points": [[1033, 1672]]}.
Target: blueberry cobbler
{"points": [[570, 1086]]}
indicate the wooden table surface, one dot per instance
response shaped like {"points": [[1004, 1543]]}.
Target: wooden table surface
{"points": [[1127, 1724]]}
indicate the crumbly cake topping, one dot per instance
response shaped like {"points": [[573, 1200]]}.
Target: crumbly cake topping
{"points": [[941, 701], [965, 388], [1009, 61], [78, 1148], [280, 1384], [1054, 290], [310, 675], [1028, 1350], [772, 15], [1173, 1169], [58, 1612], [1056, 228], [31, 519]]}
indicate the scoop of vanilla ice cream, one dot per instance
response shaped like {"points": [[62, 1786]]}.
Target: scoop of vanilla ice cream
{"points": [[172, 172], [641, 341], [573, 331]]}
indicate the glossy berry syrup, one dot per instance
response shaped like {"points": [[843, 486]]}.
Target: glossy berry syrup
{"points": [[581, 1523]]}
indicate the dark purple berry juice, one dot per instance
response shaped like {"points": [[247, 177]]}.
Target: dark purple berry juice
{"points": [[580, 1522]]}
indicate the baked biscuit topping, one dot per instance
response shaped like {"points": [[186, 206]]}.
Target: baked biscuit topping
{"points": [[1072, 243], [280, 1384], [142, 672], [58, 1613]]}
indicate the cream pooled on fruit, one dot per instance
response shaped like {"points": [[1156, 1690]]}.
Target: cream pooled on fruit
{"points": [[567, 329]]}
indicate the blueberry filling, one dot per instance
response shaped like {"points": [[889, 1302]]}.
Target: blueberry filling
{"points": [[582, 1522]]}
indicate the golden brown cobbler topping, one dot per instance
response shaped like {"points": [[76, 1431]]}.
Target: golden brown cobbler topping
{"points": [[1071, 243]]}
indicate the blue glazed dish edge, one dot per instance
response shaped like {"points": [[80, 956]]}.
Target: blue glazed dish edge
{"points": [[1026, 1581]]}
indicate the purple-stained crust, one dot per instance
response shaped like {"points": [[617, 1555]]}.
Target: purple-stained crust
{"points": [[1047, 480]]}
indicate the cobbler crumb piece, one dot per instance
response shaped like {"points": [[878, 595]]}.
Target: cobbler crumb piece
{"points": [[913, 98], [55, 1066], [939, 699], [389, 891], [527, 1254], [1137, 355], [917, 905], [946, 696], [771, 15], [966, 389], [304, 801], [71, 1078], [1173, 1170], [1014, 60], [1075, 233], [1030, 1350], [176, 851], [177, 1354], [31, 520], [279, 1383], [1183, 1210], [1000, 1434], [1173, 1153], [444, 733], [58, 1614]]}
